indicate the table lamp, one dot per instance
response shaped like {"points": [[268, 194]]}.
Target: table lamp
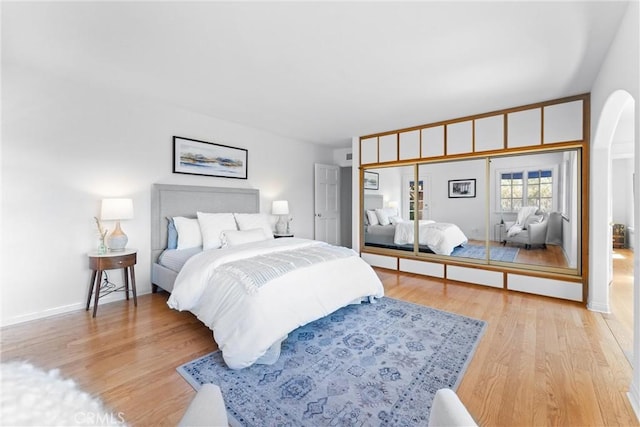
{"points": [[281, 208], [117, 210]]}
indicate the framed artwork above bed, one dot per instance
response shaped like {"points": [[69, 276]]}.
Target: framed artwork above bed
{"points": [[371, 180], [194, 157], [459, 188]]}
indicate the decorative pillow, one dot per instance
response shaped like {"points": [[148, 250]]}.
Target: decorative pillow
{"points": [[373, 218], [189, 235], [172, 234], [212, 226], [395, 219], [384, 214], [248, 221], [532, 219], [239, 237]]}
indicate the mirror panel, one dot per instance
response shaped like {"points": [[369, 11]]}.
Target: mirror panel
{"points": [[454, 209], [464, 206], [384, 208], [534, 205]]}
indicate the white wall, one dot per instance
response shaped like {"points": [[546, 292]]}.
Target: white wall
{"points": [[390, 180], [620, 71], [466, 213], [340, 157], [66, 145]]}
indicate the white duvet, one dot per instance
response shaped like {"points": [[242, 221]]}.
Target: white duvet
{"points": [[440, 237], [245, 325]]}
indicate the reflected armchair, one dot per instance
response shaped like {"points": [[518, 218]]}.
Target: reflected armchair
{"points": [[529, 229]]}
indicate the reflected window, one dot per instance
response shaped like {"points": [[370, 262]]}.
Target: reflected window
{"points": [[511, 191], [540, 189]]}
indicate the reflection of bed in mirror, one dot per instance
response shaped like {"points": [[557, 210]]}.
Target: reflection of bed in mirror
{"points": [[385, 228]]}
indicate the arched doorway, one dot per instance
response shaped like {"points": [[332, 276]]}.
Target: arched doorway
{"points": [[601, 214], [601, 183]]}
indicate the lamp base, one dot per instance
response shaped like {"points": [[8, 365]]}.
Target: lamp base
{"points": [[117, 240], [282, 226]]}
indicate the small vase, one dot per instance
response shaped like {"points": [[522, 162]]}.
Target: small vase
{"points": [[102, 248]]}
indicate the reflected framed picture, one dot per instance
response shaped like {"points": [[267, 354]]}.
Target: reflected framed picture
{"points": [[371, 180], [194, 157], [460, 188]]}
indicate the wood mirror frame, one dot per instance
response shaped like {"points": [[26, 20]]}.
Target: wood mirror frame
{"points": [[557, 128]]}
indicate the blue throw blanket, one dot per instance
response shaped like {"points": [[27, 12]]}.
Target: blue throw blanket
{"points": [[255, 272]]}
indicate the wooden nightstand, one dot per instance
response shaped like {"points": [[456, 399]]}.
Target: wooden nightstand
{"points": [[618, 236], [111, 261]]}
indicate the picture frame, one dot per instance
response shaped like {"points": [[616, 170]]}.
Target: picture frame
{"points": [[195, 157], [371, 180], [462, 188]]}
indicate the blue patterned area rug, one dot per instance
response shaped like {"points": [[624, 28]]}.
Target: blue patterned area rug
{"points": [[496, 253], [367, 364]]}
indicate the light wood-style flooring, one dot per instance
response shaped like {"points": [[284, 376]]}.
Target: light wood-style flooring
{"points": [[620, 320], [548, 255], [541, 361]]}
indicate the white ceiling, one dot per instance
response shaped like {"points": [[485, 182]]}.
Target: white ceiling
{"points": [[320, 72]]}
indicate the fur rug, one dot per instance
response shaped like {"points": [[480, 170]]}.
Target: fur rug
{"points": [[31, 396]]}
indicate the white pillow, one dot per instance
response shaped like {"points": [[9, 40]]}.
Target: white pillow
{"points": [[532, 219], [384, 214], [212, 226], [395, 219], [189, 235], [239, 237], [373, 218], [247, 221]]}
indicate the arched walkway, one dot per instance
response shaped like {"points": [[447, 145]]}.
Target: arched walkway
{"points": [[600, 213], [600, 217]]}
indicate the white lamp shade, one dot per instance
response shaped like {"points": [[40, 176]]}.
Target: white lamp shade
{"points": [[280, 207], [116, 209]]}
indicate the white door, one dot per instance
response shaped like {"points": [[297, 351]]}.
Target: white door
{"points": [[327, 203]]}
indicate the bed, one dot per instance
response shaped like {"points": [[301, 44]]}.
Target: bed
{"points": [[168, 201], [254, 290], [440, 237], [394, 233]]}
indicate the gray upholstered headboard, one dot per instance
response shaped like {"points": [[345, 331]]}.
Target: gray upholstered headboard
{"points": [[185, 200], [373, 201]]}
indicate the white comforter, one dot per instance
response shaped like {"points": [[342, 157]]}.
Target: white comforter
{"points": [[440, 237], [245, 325]]}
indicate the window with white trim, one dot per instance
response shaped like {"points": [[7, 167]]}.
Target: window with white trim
{"points": [[538, 189], [511, 191]]}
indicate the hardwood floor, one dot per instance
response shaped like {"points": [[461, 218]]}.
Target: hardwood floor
{"points": [[548, 255], [541, 361], [620, 320]]}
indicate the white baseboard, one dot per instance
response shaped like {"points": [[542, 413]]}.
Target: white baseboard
{"points": [[598, 307], [634, 401], [63, 310]]}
